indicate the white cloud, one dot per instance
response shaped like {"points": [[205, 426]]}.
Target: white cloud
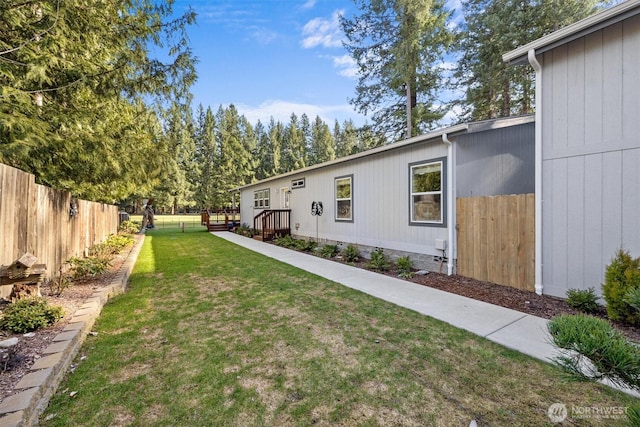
{"points": [[323, 32], [346, 65], [309, 4], [281, 111]]}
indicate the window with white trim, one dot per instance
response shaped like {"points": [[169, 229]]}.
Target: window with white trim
{"points": [[344, 198], [427, 197], [297, 183], [261, 199]]}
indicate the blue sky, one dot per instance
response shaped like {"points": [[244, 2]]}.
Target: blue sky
{"points": [[271, 58]]}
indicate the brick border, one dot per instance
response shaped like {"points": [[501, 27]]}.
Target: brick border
{"points": [[40, 383]]}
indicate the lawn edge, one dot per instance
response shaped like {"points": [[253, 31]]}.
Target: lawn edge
{"points": [[41, 382]]}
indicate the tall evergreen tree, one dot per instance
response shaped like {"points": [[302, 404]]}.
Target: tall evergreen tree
{"points": [[294, 147], [77, 80], [322, 143], [398, 45], [493, 27], [207, 158], [346, 138]]}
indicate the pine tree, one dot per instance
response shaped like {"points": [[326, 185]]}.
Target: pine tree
{"points": [[322, 143], [398, 45]]}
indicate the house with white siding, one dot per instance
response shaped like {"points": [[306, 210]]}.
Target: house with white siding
{"points": [[587, 147], [401, 196]]}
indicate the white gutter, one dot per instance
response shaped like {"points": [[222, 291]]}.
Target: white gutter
{"points": [[451, 215], [531, 55]]}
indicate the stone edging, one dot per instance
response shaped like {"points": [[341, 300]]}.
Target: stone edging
{"points": [[40, 383]]}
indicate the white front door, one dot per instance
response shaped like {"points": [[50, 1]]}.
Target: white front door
{"points": [[285, 195]]}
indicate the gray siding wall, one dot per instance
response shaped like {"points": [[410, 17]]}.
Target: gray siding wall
{"points": [[380, 201], [591, 156], [496, 162]]}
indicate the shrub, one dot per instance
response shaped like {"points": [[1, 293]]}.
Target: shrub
{"points": [[622, 275], [329, 251], [404, 266], [351, 253], [244, 230], [87, 267], [29, 314], [286, 242], [305, 245], [633, 299], [596, 350], [129, 227], [584, 300], [379, 261]]}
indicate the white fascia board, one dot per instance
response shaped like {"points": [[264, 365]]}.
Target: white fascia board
{"points": [[571, 32]]}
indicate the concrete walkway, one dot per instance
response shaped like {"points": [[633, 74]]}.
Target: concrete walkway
{"points": [[513, 329]]}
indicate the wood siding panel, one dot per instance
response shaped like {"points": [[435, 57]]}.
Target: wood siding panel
{"points": [[593, 88], [630, 92], [631, 201], [612, 80], [496, 239], [575, 94], [592, 213]]}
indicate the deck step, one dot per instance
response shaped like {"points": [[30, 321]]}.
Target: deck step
{"points": [[218, 227]]}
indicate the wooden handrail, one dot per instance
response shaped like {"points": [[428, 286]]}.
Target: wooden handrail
{"points": [[272, 222]]}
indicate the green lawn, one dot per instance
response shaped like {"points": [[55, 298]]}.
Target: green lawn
{"points": [[211, 334], [173, 221]]}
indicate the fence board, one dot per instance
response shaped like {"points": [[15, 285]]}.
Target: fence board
{"points": [[35, 218], [496, 239]]}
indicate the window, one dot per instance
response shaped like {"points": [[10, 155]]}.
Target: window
{"points": [[297, 183], [261, 199], [426, 201], [344, 198]]}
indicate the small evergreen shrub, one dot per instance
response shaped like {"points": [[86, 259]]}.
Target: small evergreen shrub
{"points": [[379, 261], [129, 227], [621, 276], [329, 251], [29, 314], [351, 253], [82, 268], [584, 300], [404, 266], [596, 350]]}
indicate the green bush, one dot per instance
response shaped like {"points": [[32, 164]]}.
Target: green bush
{"points": [[404, 266], [305, 245], [608, 353], [351, 253], [129, 227], [29, 314], [621, 276], [379, 261], [329, 251], [87, 267], [584, 300], [244, 230], [286, 242], [633, 299], [633, 415]]}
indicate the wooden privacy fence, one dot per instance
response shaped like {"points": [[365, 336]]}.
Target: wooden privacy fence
{"points": [[36, 219], [496, 239]]}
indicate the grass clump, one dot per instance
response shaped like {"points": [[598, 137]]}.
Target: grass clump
{"points": [[596, 350], [404, 266], [584, 300], [379, 261], [29, 314], [83, 268]]}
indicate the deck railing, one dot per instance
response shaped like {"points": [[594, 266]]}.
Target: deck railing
{"points": [[273, 222]]}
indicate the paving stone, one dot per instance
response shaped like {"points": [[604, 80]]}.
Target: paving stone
{"points": [[74, 326], [66, 336], [57, 347], [82, 318], [47, 361], [13, 419], [18, 402], [34, 379]]}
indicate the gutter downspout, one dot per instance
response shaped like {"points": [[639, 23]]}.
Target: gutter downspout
{"points": [[531, 56], [451, 215]]}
